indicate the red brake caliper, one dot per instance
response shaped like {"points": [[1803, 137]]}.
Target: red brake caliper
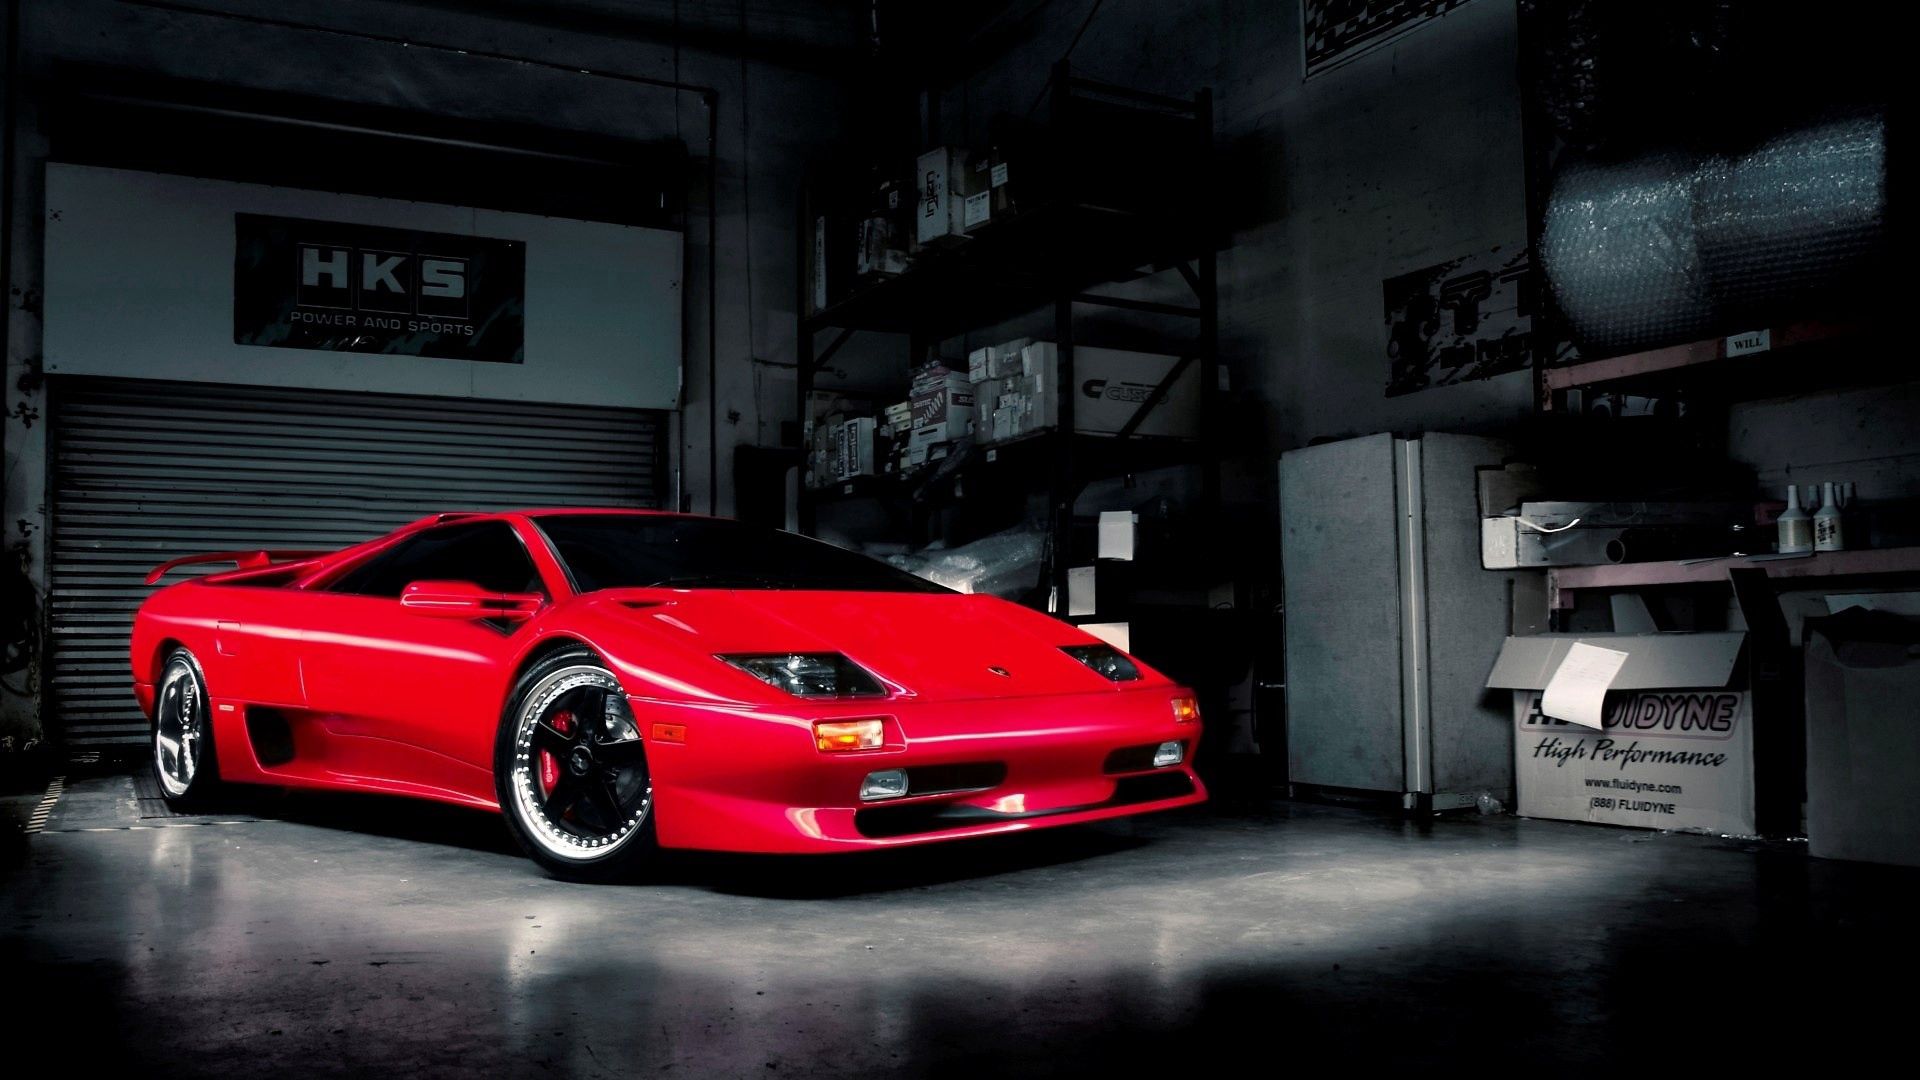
{"points": [[550, 766]]}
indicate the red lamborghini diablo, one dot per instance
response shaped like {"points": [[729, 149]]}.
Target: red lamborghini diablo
{"points": [[620, 681]]}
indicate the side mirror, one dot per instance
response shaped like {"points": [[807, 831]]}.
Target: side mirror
{"points": [[465, 600]]}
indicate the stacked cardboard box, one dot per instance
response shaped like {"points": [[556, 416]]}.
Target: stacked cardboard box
{"points": [[996, 361], [1016, 391], [885, 234], [896, 425], [823, 455], [842, 448], [841, 443], [857, 446], [1012, 382], [942, 410]]}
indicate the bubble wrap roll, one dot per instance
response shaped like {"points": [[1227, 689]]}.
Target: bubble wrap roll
{"points": [[1620, 249], [1670, 248], [1792, 221]]}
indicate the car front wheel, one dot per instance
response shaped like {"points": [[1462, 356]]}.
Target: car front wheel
{"points": [[571, 771]]}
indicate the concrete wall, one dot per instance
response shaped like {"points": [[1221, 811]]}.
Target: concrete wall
{"points": [[1869, 435], [775, 67]]}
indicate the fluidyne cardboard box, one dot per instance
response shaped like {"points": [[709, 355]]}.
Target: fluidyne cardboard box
{"points": [[1675, 745]]}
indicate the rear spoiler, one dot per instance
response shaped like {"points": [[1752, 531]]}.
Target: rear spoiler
{"points": [[243, 560]]}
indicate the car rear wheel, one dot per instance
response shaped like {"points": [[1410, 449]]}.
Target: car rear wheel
{"points": [[184, 762], [571, 771]]}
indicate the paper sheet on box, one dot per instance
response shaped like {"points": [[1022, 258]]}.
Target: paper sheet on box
{"points": [[1578, 688]]}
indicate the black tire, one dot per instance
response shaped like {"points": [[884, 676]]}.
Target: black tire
{"points": [[185, 765], [584, 811]]}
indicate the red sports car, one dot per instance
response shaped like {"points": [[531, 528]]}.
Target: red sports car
{"points": [[622, 681]]}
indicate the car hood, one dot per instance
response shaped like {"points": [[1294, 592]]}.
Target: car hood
{"points": [[945, 646]]}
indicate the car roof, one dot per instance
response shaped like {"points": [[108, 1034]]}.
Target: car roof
{"points": [[454, 517], [549, 511]]}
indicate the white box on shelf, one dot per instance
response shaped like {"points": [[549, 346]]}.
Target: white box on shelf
{"points": [[1116, 531], [1081, 598]]}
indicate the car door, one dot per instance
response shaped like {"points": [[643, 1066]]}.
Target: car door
{"points": [[374, 668], [255, 655]]}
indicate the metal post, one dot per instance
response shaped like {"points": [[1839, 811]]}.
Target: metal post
{"points": [[803, 362], [1061, 497], [1209, 299]]}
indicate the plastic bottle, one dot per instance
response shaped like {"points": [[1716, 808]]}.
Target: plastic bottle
{"points": [[1828, 535], [1796, 528]]}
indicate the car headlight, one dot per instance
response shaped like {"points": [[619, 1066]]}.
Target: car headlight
{"points": [[808, 674], [1104, 659]]}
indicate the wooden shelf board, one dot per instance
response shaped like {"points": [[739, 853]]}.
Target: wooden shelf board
{"points": [[1675, 357], [1565, 580]]}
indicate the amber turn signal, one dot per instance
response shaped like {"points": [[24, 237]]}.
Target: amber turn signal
{"points": [[835, 736], [1185, 710]]}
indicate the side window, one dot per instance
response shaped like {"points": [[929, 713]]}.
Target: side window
{"points": [[486, 553]]}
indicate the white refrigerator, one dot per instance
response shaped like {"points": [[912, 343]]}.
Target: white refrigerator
{"points": [[1391, 624]]}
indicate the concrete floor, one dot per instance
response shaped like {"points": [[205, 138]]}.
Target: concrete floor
{"points": [[337, 935]]}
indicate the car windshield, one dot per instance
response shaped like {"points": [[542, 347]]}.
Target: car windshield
{"points": [[626, 551]]}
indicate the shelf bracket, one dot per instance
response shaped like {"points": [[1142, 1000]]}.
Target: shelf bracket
{"points": [[1149, 306], [826, 354], [1193, 280], [1154, 399]]}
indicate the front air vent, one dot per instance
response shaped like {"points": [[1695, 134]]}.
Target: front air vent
{"points": [[953, 779]]}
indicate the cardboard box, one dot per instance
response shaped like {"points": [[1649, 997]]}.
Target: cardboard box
{"points": [[926, 436], [1005, 424], [996, 361], [1863, 737], [885, 234], [857, 448], [943, 176], [976, 210], [1082, 591], [1675, 750], [879, 249], [1512, 543], [1112, 385], [948, 410], [1104, 588], [1039, 359], [979, 208], [999, 182], [1004, 359], [1564, 533], [1115, 535]]}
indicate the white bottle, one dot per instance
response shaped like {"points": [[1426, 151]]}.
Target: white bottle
{"points": [[1796, 528], [1827, 533]]}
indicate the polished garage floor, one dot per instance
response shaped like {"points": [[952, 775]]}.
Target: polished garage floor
{"points": [[330, 936]]}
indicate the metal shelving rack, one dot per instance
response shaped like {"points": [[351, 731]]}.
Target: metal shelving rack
{"points": [[1052, 255]]}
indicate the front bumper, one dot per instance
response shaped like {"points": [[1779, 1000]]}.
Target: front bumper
{"points": [[749, 781]]}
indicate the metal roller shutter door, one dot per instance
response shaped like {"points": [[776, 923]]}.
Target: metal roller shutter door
{"points": [[146, 471]]}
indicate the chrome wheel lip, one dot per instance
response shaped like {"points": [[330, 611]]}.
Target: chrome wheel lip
{"points": [[523, 781], [179, 717]]}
